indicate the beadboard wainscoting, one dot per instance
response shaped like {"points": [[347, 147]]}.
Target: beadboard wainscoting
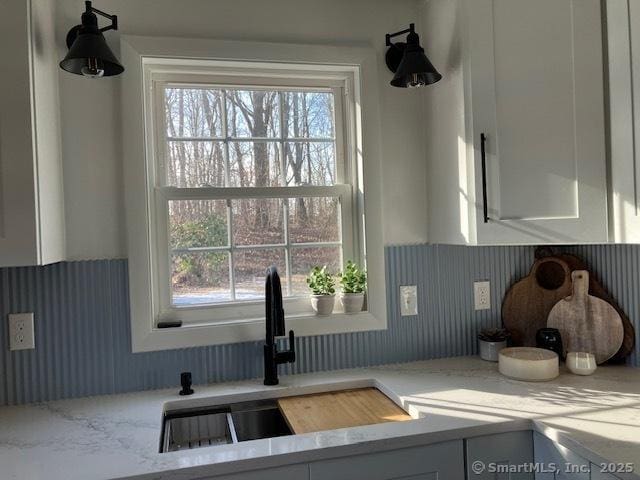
{"points": [[83, 337]]}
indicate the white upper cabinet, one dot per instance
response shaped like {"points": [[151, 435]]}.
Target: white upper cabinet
{"points": [[31, 194], [528, 78], [623, 45]]}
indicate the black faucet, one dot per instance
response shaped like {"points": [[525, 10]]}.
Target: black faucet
{"points": [[275, 328]]}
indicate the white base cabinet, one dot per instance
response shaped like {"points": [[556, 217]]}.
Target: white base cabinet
{"points": [[431, 462], [491, 456], [290, 472], [570, 466], [487, 457]]}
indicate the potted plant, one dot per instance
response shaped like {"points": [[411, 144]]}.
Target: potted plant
{"points": [[491, 341], [323, 290], [354, 283]]}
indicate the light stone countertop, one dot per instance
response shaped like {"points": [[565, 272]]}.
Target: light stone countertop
{"points": [[117, 436]]}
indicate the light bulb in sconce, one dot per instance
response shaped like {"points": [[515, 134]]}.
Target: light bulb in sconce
{"points": [[92, 68]]}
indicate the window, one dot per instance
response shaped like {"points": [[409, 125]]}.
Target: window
{"points": [[232, 166], [224, 154], [247, 172]]}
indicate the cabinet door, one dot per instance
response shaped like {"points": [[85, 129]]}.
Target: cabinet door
{"points": [[623, 38], [489, 456], [568, 464], [290, 472], [537, 94], [598, 474], [433, 462]]}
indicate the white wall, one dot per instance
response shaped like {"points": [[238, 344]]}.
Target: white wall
{"points": [[91, 137]]}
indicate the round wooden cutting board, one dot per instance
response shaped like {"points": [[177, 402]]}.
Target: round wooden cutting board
{"points": [[587, 323], [527, 304]]}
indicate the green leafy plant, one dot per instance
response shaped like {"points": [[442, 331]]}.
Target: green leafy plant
{"points": [[493, 335], [321, 282], [353, 280]]}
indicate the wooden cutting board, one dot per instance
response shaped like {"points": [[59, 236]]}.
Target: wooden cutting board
{"points": [[597, 290], [527, 304], [587, 323], [340, 409]]}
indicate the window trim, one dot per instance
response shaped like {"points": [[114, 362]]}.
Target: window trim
{"points": [[247, 324], [159, 76]]}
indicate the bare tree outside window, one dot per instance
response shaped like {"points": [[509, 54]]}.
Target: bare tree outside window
{"points": [[248, 139]]}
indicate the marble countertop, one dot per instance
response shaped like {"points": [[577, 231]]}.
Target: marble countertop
{"points": [[117, 436]]}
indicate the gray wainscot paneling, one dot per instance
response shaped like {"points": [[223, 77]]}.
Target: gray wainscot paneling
{"points": [[83, 337]]}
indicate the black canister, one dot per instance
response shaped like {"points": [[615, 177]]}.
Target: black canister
{"points": [[550, 339]]}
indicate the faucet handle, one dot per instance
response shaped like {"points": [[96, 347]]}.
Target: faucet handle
{"points": [[292, 343], [291, 353], [288, 356]]}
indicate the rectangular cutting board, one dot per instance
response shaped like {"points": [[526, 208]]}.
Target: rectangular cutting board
{"points": [[340, 409]]}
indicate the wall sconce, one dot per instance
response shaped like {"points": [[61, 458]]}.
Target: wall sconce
{"points": [[411, 66], [89, 54]]}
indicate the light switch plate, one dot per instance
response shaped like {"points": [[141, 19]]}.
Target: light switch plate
{"points": [[21, 332], [482, 295], [408, 300]]}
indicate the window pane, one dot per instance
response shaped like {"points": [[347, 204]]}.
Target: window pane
{"points": [[195, 164], [254, 164], [314, 220], [198, 223], [310, 163], [200, 278], [253, 114], [258, 221], [250, 267], [304, 259], [309, 114], [193, 112]]}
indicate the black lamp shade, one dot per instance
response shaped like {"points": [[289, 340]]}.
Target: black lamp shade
{"points": [[415, 69], [90, 53]]}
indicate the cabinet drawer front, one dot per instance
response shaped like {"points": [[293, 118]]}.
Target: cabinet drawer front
{"points": [[433, 462], [290, 472], [490, 453], [596, 474]]}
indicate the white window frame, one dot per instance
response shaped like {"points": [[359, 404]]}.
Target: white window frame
{"points": [[153, 62]]}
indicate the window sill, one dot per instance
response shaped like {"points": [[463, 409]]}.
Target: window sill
{"points": [[199, 335]]}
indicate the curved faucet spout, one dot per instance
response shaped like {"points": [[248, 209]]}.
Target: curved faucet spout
{"points": [[274, 313], [274, 320]]}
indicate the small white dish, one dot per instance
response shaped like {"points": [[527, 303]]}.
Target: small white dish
{"points": [[528, 364], [581, 363]]}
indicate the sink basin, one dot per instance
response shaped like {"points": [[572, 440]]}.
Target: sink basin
{"points": [[203, 422], [237, 422], [258, 420]]}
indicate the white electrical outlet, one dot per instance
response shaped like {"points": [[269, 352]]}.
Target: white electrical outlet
{"points": [[408, 300], [21, 334], [482, 295]]}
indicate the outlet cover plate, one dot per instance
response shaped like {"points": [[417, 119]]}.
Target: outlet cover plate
{"points": [[408, 300], [482, 295], [21, 333]]}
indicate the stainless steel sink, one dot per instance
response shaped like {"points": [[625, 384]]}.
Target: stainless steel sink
{"points": [[237, 422], [255, 420]]}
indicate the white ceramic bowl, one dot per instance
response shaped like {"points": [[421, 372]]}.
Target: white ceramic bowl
{"points": [[528, 364], [581, 363]]}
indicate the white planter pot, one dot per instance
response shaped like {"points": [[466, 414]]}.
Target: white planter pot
{"points": [[323, 304], [489, 350], [352, 302]]}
